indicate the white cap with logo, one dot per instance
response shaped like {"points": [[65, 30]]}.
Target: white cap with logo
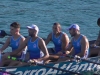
{"points": [[33, 26], [76, 26]]}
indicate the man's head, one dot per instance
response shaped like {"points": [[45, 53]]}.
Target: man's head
{"points": [[98, 22], [74, 29], [33, 30], [14, 28], [2, 33], [56, 28]]}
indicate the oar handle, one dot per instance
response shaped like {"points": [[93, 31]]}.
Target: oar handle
{"points": [[21, 59], [14, 58], [2, 43]]}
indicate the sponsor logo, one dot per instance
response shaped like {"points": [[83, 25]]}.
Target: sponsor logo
{"points": [[34, 46], [78, 67]]}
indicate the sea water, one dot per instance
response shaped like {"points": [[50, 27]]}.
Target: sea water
{"points": [[45, 12]]}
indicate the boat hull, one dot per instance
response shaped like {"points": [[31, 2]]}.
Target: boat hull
{"points": [[79, 66]]}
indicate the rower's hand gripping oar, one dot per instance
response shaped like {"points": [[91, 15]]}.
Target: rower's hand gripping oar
{"points": [[32, 62], [22, 60]]}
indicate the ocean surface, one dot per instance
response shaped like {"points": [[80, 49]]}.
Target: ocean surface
{"points": [[45, 12]]}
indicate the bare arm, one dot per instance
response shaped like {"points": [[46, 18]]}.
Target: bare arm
{"points": [[97, 41], [21, 47], [65, 42], [43, 47], [84, 46], [48, 38], [5, 45], [69, 48], [20, 43]]}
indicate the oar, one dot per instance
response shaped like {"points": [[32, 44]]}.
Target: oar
{"points": [[3, 33], [6, 73], [2, 43], [14, 58], [6, 34], [77, 58]]}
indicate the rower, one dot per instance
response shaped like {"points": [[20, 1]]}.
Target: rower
{"points": [[95, 50], [14, 41], [79, 43], [36, 46], [59, 39]]}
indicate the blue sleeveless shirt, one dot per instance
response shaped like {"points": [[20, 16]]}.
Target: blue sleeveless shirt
{"points": [[14, 44], [33, 49], [77, 46], [57, 42]]}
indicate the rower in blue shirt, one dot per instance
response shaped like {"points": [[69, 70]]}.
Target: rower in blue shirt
{"points": [[77, 46], [57, 42], [14, 41], [79, 42], [59, 39], [33, 49]]}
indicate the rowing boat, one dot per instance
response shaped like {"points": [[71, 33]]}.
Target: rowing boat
{"points": [[73, 66], [48, 69]]}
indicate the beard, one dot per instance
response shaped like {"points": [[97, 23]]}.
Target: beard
{"points": [[72, 35], [30, 35]]}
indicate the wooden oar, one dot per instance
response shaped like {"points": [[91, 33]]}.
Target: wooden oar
{"points": [[3, 43], [14, 58], [77, 58]]}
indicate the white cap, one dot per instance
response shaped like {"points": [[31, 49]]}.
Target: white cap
{"points": [[76, 26], [33, 26]]}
